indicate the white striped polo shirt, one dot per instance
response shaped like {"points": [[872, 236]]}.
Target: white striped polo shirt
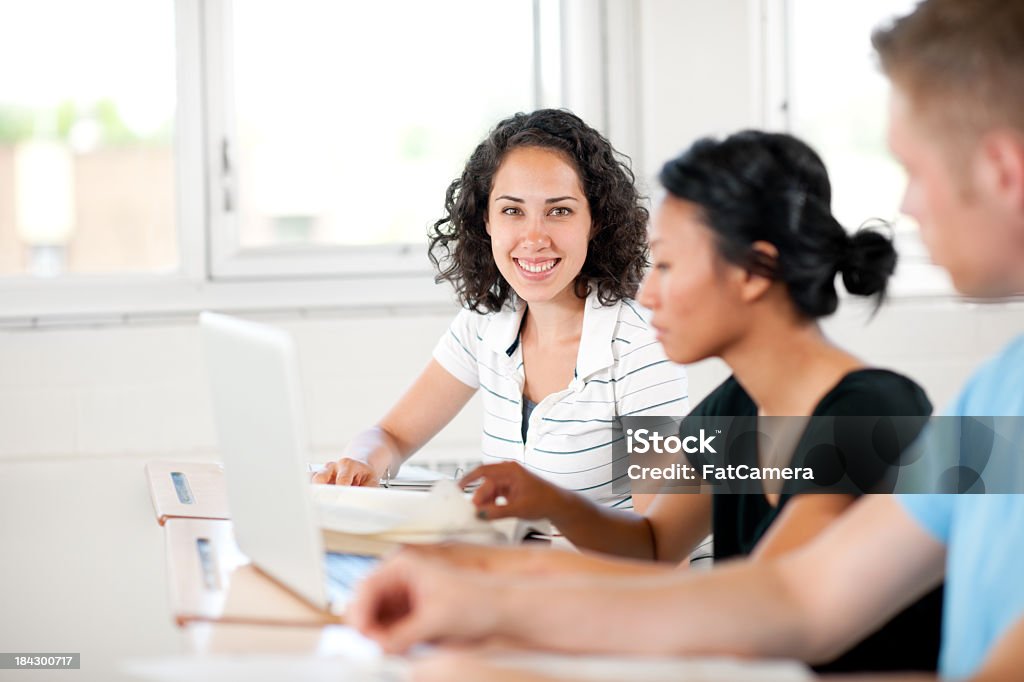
{"points": [[620, 370]]}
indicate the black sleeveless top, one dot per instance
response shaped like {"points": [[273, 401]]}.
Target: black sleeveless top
{"points": [[910, 641]]}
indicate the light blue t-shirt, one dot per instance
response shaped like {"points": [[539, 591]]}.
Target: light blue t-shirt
{"points": [[983, 534]]}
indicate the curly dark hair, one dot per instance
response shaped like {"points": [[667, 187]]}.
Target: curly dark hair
{"points": [[460, 247]]}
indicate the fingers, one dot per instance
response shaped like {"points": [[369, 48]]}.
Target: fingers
{"points": [[490, 512], [500, 471], [392, 606], [326, 475], [473, 475], [487, 493], [381, 600], [414, 597], [509, 490], [498, 479], [347, 472], [493, 501]]}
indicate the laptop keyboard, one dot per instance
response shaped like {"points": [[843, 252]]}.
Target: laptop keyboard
{"points": [[344, 571]]}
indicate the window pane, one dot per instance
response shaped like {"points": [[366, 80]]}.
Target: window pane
{"points": [[838, 100], [352, 118], [87, 96]]}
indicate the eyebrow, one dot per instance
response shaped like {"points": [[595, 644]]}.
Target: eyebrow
{"points": [[552, 200]]}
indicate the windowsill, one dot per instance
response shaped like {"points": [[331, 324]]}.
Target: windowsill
{"points": [[101, 301], [140, 299]]}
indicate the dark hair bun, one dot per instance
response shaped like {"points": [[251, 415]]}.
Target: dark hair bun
{"points": [[867, 265], [758, 186]]}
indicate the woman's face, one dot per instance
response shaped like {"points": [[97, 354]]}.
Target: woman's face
{"points": [[539, 222], [691, 290]]}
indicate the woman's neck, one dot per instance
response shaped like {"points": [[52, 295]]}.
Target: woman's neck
{"points": [[553, 322], [789, 367]]}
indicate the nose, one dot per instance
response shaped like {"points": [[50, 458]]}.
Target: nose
{"points": [[536, 234], [910, 201], [647, 296], [903, 200]]}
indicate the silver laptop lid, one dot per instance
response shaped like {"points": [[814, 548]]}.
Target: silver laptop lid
{"points": [[257, 406]]}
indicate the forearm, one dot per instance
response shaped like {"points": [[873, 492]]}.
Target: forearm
{"points": [[377, 448], [592, 526], [742, 610], [555, 562]]}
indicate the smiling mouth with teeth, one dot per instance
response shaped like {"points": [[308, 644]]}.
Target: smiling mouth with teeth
{"points": [[537, 268]]}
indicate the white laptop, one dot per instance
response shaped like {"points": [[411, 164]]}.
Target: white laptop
{"points": [[254, 383]]}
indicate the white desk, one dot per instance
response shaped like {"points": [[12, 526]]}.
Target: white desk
{"points": [[82, 567], [83, 570]]}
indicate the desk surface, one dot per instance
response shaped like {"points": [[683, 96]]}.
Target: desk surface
{"points": [[83, 570], [83, 565]]}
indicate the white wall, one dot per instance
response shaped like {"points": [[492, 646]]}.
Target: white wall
{"points": [[697, 74], [141, 390]]}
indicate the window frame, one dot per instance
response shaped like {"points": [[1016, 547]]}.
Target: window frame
{"points": [[916, 277], [228, 260], [214, 274]]}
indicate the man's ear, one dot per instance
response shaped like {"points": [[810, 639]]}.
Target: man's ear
{"points": [[756, 284], [1000, 169]]}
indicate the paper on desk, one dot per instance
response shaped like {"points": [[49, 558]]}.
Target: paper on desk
{"points": [[443, 510], [414, 474]]}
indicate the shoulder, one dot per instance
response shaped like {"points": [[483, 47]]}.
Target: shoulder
{"points": [[631, 325], [729, 399], [471, 326], [875, 392], [471, 320], [625, 350], [634, 343], [934, 513], [995, 388]]}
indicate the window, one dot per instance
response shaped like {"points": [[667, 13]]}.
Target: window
{"points": [[344, 124], [829, 91], [265, 156], [269, 155], [86, 137]]}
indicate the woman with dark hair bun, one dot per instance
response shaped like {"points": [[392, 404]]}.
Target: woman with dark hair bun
{"points": [[772, 188], [544, 238], [746, 253], [754, 210]]}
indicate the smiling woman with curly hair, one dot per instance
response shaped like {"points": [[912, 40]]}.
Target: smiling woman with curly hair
{"points": [[544, 239], [460, 245]]}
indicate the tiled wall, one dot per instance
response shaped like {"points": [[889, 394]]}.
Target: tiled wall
{"points": [[141, 390]]}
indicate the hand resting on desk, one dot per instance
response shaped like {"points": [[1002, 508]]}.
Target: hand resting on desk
{"points": [[347, 471]]}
